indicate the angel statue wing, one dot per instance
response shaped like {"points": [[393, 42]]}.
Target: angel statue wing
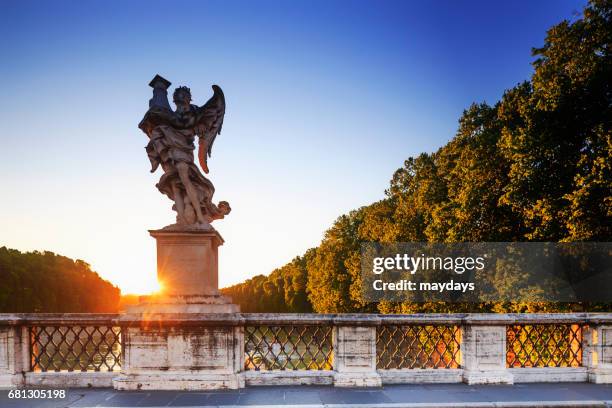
{"points": [[209, 123]]}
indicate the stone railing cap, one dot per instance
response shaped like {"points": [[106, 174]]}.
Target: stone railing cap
{"points": [[180, 319], [348, 319]]}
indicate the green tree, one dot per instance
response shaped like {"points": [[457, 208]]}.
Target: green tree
{"points": [[558, 141], [46, 282]]}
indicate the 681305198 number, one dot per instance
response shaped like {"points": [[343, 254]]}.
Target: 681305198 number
{"points": [[36, 394]]}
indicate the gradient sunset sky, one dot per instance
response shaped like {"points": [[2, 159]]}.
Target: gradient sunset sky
{"points": [[325, 99]]}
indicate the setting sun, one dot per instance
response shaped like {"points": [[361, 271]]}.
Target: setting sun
{"points": [[140, 285]]}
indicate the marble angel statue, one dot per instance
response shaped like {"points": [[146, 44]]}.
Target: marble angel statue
{"points": [[171, 145]]}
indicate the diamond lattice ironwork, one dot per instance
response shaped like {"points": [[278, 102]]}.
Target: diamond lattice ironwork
{"points": [[544, 345], [288, 348], [417, 346], [75, 348]]}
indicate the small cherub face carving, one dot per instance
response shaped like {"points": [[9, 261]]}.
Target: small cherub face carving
{"points": [[224, 207]]}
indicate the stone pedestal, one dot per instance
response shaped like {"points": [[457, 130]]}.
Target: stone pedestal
{"points": [[188, 337], [187, 261], [355, 358], [187, 270], [176, 353], [483, 353]]}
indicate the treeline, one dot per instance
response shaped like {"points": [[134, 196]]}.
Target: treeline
{"points": [[46, 282], [535, 166], [283, 291]]}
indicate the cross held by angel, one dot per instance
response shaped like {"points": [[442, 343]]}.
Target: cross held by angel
{"points": [[171, 146]]}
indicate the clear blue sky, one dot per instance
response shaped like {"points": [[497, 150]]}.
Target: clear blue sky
{"points": [[325, 100]]}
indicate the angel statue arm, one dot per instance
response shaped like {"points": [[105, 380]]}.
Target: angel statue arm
{"points": [[209, 119]]}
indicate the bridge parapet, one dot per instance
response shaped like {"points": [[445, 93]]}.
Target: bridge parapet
{"points": [[348, 350]]}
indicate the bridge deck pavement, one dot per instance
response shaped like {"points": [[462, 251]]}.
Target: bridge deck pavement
{"points": [[391, 396]]}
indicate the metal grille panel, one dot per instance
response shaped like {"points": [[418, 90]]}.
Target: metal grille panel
{"points": [[544, 345], [75, 348], [417, 346], [288, 348]]}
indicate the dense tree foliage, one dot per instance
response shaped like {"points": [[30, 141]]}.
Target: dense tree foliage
{"points": [[536, 166], [46, 282]]}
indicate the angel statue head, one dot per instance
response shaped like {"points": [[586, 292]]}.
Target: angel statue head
{"points": [[182, 97]]}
